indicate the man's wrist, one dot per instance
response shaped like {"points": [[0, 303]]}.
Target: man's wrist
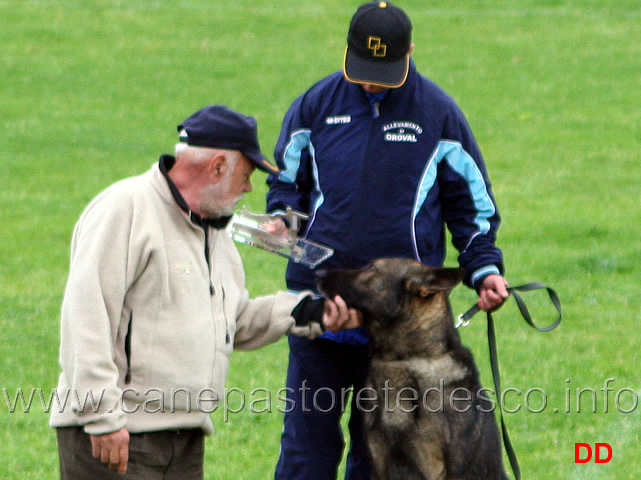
{"points": [[308, 310], [477, 277]]}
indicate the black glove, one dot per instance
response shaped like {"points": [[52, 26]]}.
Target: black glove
{"points": [[308, 310]]}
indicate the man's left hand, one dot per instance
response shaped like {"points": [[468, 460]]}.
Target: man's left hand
{"points": [[492, 293]]}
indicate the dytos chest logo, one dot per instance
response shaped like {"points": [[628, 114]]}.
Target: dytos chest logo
{"points": [[406, 132]]}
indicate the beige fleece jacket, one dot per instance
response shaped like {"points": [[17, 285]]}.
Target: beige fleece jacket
{"points": [[147, 326]]}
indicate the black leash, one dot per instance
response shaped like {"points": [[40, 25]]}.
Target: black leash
{"points": [[464, 320]]}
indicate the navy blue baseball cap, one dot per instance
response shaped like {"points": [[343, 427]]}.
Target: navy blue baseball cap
{"points": [[379, 44], [217, 126]]}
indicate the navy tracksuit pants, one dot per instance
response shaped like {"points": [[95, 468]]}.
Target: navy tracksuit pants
{"points": [[321, 378]]}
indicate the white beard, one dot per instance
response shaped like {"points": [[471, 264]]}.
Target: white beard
{"points": [[214, 201]]}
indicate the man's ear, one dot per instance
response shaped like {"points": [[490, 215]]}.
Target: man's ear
{"points": [[217, 166]]}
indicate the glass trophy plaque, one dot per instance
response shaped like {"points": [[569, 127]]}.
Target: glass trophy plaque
{"points": [[252, 229]]}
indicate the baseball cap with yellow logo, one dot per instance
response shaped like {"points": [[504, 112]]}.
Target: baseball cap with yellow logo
{"points": [[378, 45]]}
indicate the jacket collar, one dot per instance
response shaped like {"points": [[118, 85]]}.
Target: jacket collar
{"points": [[165, 164]]}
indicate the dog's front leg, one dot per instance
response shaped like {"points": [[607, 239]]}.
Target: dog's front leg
{"points": [[430, 462], [379, 452]]}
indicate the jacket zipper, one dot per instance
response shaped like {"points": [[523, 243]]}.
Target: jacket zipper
{"points": [[374, 123], [212, 289], [128, 349]]}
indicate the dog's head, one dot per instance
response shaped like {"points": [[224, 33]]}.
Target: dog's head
{"points": [[393, 291]]}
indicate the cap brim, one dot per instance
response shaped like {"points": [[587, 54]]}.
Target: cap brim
{"points": [[262, 163], [383, 74]]}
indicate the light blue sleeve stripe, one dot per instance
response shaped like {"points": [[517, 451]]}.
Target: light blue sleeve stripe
{"points": [[427, 182], [462, 163], [429, 176], [298, 141], [320, 199], [483, 272]]}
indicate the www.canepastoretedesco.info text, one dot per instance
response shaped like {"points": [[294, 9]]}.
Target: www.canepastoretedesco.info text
{"points": [[605, 399]]}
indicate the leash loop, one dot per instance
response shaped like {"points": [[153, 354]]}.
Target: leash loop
{"points": [[554, 298], [464, 320]]}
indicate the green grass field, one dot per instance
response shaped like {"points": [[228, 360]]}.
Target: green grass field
{"points": [[92, 91]]}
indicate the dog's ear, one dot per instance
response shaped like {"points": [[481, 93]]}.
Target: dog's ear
{"points": [[426, 281]]}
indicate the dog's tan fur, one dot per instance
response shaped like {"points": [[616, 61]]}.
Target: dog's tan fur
{"points": [[418, 361]]}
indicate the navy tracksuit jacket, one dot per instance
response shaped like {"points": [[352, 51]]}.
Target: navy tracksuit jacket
{"points": [[383, 179]]}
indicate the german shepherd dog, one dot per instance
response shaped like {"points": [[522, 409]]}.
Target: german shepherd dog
{"points": [[426, 415]]}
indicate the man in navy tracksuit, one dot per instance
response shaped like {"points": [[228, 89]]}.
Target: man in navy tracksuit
{"points": [[382, 160]]}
